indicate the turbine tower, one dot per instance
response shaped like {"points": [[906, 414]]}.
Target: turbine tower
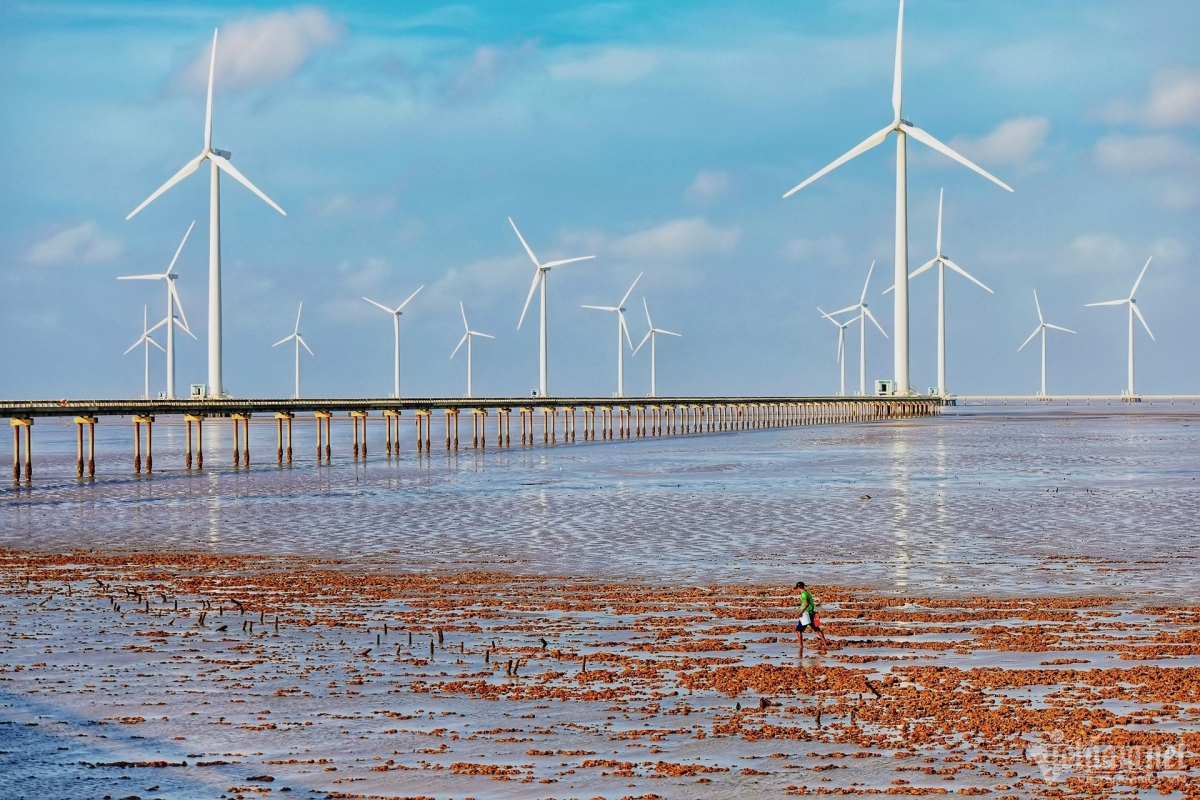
{"points": [[218, 162], [943, 262], [1041, 328], [863, 315], [652, 335], [145, 340], [903, 129], [841, 353], [299, 341], [173, 302], [395, 312], [539, 277], [1133, 310], [467, 337], [621, 329]]}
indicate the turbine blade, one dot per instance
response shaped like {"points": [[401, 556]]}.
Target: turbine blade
{"points": [[1036, 331], [645, 339], [928, 140], [298, 310], [133, 346], [602, 308], [863, 298], [1039, 306], [179, 249], [941, 197], [212, 67], [284, 339], [484, 335], [532, 257], [175, 295], [461, 342], [964, 273], [1106, 303], [649, 324], [871, 317], [624, 327], [400, 307], [380, 305], [537, 274], [668, 333], [158, 277], [873, 140], [891, 288], [162, 322], [918, 270], [1059, 328], [562, 261], [182, 326], [844, 310], [1138, 282], [898, 73], [841, 344], [160, 347], [626, 297], [1138, 312], [463, 309], [224, 164], [300, 339], [186, 170]]}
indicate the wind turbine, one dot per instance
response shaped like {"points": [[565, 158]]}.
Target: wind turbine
{"points": [[539, 277], [172, 302], [903, 129], [299, 341], [145, 340], [467, 338], [621, 329], [395, 312], [219, 162], [863, 315], [841, 354], [652, 335], [1133, 309], [1041, 328], [943, 262]]}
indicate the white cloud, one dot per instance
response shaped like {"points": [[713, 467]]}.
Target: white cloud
{"points": [[482, 74], [84, 243], [1015, 141], [613, 66], [708, 187], [678, 240], [1174, 101], [1099, 250], [1145, 154], [341, 203], [364, 275], [832, 249], [263, 49]]}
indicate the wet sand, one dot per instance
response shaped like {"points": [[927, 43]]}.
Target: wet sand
{"points": [[169, 675]]}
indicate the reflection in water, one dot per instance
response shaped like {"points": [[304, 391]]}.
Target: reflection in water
{"points": [[901, 477]]}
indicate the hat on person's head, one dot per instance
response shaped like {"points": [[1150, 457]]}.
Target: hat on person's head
{"points": [[799, 585]]}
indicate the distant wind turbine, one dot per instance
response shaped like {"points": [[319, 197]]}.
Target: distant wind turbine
{"points": [[1133, 310], [395, 312], [219, 161], [903, 129], [145, 340], [299, 341], [173, 302], [1041, 328], [652, 335], [539, 278], [467, 337], [942, 262], [864, 313], [621, 329], [841, 351]]}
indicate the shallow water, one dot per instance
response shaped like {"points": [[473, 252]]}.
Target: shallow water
{"points": [[998, 503]]}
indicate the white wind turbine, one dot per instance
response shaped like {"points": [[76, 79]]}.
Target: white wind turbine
{"points": [[539, 277], [299, 341], [145, 340], [173, 302], [841, 353], [467, 337], [864, 313], [652, 335], [621, 329], [219, 162], [1041, 328], [395, 312], [903, 129], [1133, 309], [942, 262]]}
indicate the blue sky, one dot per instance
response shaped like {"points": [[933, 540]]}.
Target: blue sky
{"points": [[659, 136]]}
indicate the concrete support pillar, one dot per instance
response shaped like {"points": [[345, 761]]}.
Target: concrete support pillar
{"points": [[283, 445], [137, 445], [91, 459], [22, 425], [323, 435], [245, 420]]}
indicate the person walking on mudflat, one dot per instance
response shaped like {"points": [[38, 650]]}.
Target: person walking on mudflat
{"points": [[808, 615]]}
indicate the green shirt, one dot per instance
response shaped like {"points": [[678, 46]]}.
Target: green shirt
{"points": [[807, 603]]}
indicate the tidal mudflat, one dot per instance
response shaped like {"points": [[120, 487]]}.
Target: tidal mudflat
{"points": [[1010, 603]]}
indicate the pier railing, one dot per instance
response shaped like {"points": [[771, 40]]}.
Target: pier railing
{"points": [[603, 418]]}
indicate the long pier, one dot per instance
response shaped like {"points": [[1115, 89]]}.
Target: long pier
{"points": [[603, 418]]}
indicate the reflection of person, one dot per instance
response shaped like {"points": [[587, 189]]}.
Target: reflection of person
{"points": [[808, 615]]}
